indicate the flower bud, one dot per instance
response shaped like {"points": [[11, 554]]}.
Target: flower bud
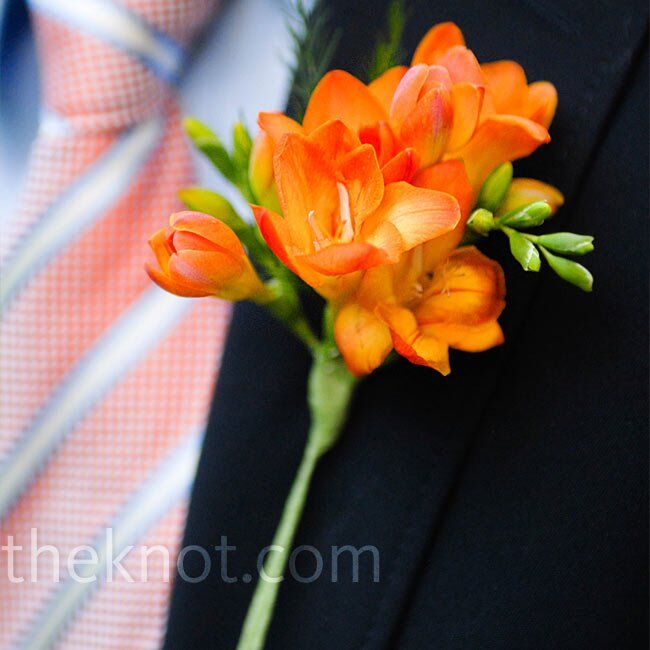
{"points": [[260, 172], [495, 187], [570, 271], [207, 142], [199, 255], [524, 251], [242, 145], [481, 221], [198, 199], [528, 190], [527, 216], [567, 242]]}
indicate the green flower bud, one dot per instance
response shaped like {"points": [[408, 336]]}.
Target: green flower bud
{"points": [[527, 216], [567, 242], [570, 271], [495, 188], [524, 251], [207, 142], [202, 200], [481, 221]]}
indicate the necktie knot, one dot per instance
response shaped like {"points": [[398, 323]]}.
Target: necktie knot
{"points": [[106, 64]]}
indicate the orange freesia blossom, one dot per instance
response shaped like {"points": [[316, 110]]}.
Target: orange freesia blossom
{"points": [[446, 106], [368, 198], [421, 307], [199, 255], [339, 215]]}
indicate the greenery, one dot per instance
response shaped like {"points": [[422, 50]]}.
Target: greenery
{"points": [[388, 52], [314, 42], [524, 246]]}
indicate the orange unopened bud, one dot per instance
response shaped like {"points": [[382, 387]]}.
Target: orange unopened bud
{"points": [[199, 255]]}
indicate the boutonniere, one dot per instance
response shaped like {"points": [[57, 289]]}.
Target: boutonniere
{"points": [[377, 198]]}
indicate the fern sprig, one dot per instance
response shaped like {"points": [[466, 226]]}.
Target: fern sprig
{"points": [[388, 51], [314, 43]]}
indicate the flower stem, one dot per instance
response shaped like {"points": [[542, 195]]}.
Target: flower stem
{"points": [[329, 392]]}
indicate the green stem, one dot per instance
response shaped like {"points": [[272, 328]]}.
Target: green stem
{"points": [[329, 392], [260, 611]]}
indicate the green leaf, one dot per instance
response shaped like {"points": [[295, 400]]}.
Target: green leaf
{"points": [[524, 251], [527, 216], [495, 188], [570, 271], [567, 242], [202, 200], [481, 221], [207, 142]]}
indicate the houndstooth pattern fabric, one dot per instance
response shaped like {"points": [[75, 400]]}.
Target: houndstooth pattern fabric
{"points": [[106, 382]]}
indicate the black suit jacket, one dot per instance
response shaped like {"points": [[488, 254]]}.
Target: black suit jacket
{"points": [[509, 501]]}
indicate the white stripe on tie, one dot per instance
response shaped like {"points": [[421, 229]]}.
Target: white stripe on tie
{"points": [[87, 199], [126, 341], [120, 27], [165, 487]]}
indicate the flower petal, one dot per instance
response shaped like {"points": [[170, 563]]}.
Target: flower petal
{"points": [[499, 139], [340, 96], [275, 232], [384, 86], [407, 94], [448, 176], [210, 269], [305, 177], [339, 259], [335, 140], [468, 289], [161, 247], [527, 190], [428, 125], [363, 339], [542, 102], [208, 227], [466, 100], [417, 214], [409, 341], [176, 287], [436, 42], [219, 274], [462, 65], [363, 180], [401, 167], [471, 339], [260, 171], [507, 85], [382, 138], [276, 124]]}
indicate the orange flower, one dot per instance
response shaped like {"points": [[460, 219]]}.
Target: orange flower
{"points": [[339, 216], [199, 255], [514, 117], [446, 106], [422, 309]]}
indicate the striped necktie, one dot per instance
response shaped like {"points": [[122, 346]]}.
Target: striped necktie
{"points": [[106, 380]]}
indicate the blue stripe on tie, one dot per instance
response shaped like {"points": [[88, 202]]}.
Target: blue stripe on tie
{"points": [[163, 489], [126, 341], [122, 28], [92, 194]]}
